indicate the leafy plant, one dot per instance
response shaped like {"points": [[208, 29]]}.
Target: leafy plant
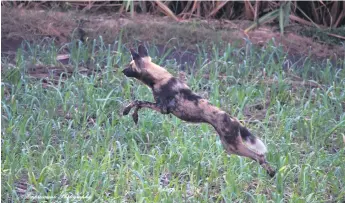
{"points": [[282, 14]]}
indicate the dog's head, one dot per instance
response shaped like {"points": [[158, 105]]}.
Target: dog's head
{"points": [[140, 61], [143, 69]]}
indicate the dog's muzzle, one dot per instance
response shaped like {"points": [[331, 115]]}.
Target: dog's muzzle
{"points": [[126, 72], [129, 72]]}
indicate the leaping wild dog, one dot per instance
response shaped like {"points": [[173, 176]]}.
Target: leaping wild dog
{"points": [[173, 96]]}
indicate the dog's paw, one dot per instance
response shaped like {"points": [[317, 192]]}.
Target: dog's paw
{"points": [[271, 173], [135, 118], [126, 111]]}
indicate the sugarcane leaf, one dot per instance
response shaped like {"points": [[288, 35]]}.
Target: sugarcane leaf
{"points": [[264, 19]]}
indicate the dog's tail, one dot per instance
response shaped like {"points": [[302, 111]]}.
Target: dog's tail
{"points": [[251, 142]]}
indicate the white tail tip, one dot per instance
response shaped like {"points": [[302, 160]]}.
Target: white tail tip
{"points": [[258, 147]]}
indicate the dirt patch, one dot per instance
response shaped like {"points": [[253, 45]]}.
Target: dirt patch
{"points": [[21, 24], [10, 45], [35, 25]]}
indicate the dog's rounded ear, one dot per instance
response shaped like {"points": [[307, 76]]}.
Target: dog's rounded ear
{"points": [[135, 55], [142, 51]]}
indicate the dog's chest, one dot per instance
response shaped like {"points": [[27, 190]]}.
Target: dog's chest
{"points": [[165, 94]]}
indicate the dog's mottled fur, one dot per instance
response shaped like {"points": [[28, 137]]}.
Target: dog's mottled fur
{"points": [[172, 96]]}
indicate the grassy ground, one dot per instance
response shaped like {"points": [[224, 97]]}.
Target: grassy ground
{"points": [[69, 140]]}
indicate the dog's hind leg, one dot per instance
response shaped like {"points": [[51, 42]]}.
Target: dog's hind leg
{"points": [[239, 148]]}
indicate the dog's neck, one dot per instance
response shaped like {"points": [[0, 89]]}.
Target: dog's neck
{"points": [[156, 75]]}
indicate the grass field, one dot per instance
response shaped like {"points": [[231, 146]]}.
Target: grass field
{"points": [[69, 140]]}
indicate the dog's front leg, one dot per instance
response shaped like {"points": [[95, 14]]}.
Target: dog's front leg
{"points": [[142, 104]]}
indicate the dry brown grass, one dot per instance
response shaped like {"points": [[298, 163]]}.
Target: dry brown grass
{"points": [[319, 13], [35, 25]]}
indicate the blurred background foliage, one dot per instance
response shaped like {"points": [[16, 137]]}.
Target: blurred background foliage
{"points": [[321, 14]]}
